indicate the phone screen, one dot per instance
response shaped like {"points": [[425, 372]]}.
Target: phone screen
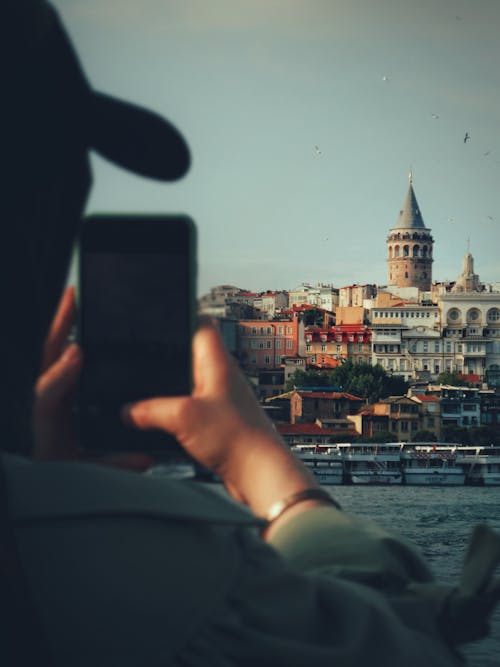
{"points": [[136, 322]]}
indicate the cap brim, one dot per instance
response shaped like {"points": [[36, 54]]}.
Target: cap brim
{"points": [[136, 139]]}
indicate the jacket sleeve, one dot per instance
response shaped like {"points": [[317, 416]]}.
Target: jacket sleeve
{"points": [[328, 541]]}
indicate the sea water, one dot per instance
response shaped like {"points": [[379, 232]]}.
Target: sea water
{"points": [[439, 522]]}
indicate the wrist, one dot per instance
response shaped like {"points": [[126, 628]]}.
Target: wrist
{"points": [[263, 470]]}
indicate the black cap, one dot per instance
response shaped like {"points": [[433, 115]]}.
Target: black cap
{"points": [[50, 117], [128, 135]]}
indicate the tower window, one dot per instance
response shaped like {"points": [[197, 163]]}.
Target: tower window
{"points": [[406, 250], [406, 274]]}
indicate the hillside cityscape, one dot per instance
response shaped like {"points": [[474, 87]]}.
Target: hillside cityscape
{"points": [[412, 359]]}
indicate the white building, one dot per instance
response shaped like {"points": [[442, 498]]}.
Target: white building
{"points": [[321, 295]]}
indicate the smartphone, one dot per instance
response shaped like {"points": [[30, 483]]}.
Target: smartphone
{"points": [[136, 300]]}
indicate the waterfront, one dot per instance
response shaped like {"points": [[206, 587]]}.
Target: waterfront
{"points": [[439, 522]]}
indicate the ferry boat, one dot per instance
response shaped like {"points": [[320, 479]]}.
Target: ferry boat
{"points": [[371, 463], [323, 461], [431, 464], [480, 464]]}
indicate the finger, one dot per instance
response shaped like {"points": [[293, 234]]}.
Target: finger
{"points": [[60, 379], [168, 414], [212, 363], [59, 329]]}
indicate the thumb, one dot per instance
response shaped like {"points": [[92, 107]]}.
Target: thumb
{"points": [[168, 414], [60, 379]]}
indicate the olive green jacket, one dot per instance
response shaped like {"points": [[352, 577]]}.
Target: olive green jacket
{"points": [[128, 570]]}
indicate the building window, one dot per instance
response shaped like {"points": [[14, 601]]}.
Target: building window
{"points": [[289, 344], [277, 359], [269, 344], [493, 315], [473, 315], [254, 331], [289, 330], [267, 359], [436, 347], [404, 426], [253, 344], [261, 345], [278, 344], [323, 348], [262, 331], [281, 330]]}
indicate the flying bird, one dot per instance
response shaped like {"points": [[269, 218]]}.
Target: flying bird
{"points": [[466, 138], [318, 150], [385, 78], [487, 153], [434, 115]]}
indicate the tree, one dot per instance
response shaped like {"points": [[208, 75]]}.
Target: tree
{"points": [[453, 433], [424, 436], [311, 378], [452, 378], [382, 436], [484, 435], [367, 381], [363, 380]]}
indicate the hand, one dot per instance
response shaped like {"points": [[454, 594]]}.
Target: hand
{"points": [[54, 430], [222, 426], [55, 388]]}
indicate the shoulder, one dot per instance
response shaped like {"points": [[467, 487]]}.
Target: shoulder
{"points": [[45, 491]]}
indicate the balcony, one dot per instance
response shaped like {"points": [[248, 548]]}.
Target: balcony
{"points": [[386, 337]]}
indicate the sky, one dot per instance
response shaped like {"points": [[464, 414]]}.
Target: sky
{"points": [[304, 118]]}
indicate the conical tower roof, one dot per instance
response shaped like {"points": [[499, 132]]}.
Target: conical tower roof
{"points": [[410, 216]]}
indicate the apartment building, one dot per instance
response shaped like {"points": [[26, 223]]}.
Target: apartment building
{"points": [[341, 342], [263, 344], [309, 404], [401, 416], [355, 295], [321, 295]]}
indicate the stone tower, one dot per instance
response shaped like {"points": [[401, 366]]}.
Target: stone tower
{"points": [[409, 247], [468, 281]]}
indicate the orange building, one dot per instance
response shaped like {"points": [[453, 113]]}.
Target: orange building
{"points": [[262, 345], [341, 342]]}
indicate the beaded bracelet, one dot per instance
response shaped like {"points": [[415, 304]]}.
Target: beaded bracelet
{"points": [[314, 493]]}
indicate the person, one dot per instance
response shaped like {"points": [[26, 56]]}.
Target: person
{"points": [[103, 566]]}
